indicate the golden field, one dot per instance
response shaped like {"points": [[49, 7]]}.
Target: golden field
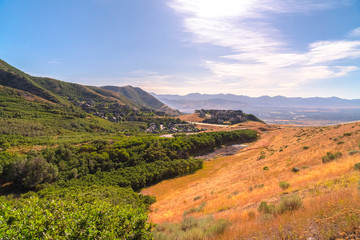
{"points": [[232, 187]]}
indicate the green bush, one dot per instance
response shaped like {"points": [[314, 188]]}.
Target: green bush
{"points": [[264, 207], [197, 198], [71, 219], [195, 209], [265, 168], [305, 147], [284, 185], [289, 203], [33, 172], [357, 166], [331, 156], [353, 152]]}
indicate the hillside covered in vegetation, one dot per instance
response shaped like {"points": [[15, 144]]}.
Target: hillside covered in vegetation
{"points": [[73, 159]]}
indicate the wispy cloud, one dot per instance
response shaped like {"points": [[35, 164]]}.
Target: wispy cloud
{"points": [[260, 55], [355, 32]]}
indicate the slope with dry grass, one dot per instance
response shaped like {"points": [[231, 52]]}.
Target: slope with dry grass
{"points": [[233, 187]]}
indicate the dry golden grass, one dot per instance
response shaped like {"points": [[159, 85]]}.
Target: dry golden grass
{"points": [[233, 186], [191, 117]]}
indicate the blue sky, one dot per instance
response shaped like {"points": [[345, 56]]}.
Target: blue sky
{"points": [[248, 47]]}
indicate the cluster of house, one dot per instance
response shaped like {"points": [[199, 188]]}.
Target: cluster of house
{"points": [[172, 128], [222, 116]]}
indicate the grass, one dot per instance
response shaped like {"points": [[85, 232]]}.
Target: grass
{"points": [[191, 228], [323, 188]]}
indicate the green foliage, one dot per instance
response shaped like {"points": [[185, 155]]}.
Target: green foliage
{"points": [[306, 147], [195, 209], [353, 152], [289, 203], [357, 166], [331, 157], [347, 134], [341, 142], [197, 198], [191, 228], [32, 172], [77, 218], [295, 169], [256, 186], [284, 185], [265, 168], [264, 207]]}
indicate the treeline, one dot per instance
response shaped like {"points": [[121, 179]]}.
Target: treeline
{"points": [[133, 161]]}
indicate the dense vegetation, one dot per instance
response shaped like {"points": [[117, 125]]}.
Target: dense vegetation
{"points": [[95, 179]]}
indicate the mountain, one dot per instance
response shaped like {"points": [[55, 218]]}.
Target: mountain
{"points": [[141, 97], [67, 94], [271, 109]]}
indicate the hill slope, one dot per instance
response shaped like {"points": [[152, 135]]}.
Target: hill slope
{"points": [[233, 187], [142, 98], [66, 93]]}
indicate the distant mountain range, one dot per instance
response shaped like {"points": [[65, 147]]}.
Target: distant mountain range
{"points": [[271, 109], [67, 94]]}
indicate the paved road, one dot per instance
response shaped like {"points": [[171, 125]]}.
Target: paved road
{"points": [[210, 124]]}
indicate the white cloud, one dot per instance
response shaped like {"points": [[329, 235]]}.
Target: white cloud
{"points": [[260, 55], [355, 32]]}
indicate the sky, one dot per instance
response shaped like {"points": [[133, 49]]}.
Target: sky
{"points": [[293, 48]]}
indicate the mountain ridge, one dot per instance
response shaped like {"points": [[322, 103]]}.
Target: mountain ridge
{"points": [[275, 109], [67, 94]]}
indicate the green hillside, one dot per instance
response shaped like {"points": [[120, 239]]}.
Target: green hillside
{"points": [[142, 98], [66, 93]]}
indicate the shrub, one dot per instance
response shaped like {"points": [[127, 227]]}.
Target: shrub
{"points": [[331, 156], [264, 207], [289, 203], [352, 152], [305, 147], [197, 198], [284, 185], [262, 156], [357, 166], [266, 168], [32, 172], [347, 134], [295, 169], [195, 209], [39, 218], [191, 228], [341, 142]]}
